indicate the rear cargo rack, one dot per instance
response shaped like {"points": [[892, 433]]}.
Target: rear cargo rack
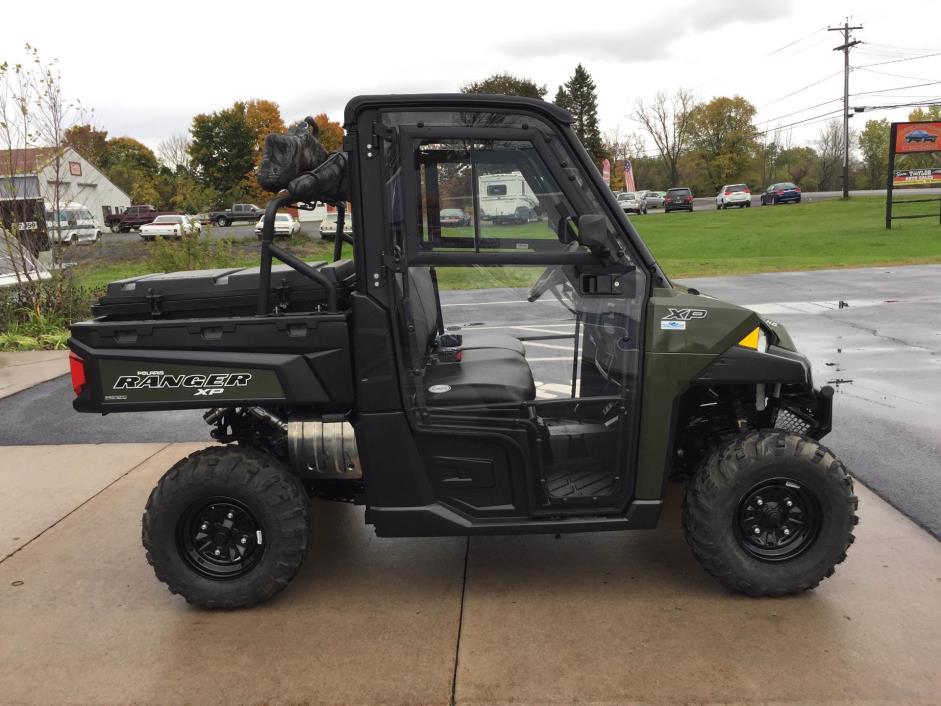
{"points": [[270, 250]]}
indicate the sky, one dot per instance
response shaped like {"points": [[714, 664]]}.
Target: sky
{"points": [[146, 70]]}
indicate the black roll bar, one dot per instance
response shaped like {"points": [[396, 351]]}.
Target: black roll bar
{"points": [[269, 250]]}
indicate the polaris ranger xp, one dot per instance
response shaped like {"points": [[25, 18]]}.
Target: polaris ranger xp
{"points": [[481, 379]]}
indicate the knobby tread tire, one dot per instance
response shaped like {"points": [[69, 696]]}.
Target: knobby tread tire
{"points": [[259, 480], [712, 497]]}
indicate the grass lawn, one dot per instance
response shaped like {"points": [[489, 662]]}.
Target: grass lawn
{"points": [[805, 236]]}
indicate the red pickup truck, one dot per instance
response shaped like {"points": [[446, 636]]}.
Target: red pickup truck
{"points": [[135, 217]]}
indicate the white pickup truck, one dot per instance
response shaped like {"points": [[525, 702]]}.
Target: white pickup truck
{"points": [[506, 198]]}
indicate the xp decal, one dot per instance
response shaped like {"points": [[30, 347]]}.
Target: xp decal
{"points": [[685, 314]]}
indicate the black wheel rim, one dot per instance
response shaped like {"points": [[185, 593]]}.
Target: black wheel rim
{"points": [[220, 538], [777, 520]]}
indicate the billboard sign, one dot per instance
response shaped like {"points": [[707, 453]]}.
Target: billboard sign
{"points": [[917, 137], [916, 177]]}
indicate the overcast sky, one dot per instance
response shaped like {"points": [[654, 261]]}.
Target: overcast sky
{"points": [[146, 70]]}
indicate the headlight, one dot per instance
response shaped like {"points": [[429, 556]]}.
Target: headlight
{"points": [[757, 340]]}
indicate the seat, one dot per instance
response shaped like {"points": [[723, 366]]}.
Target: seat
{"points": [[491, 368], [482, 376], [475, 340]]}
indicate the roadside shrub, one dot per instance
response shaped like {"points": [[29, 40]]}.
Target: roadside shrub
{"points": [[37, 314], [191, 252]]}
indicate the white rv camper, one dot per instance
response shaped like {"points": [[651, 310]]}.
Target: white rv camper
{"points": [[506, 198]]}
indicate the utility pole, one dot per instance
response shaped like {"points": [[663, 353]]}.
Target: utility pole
{"points": [[845, 48]]}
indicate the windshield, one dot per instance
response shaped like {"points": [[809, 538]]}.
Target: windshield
{"points": [[627, 196], [168, 219], [736, 187], [678, 192]]}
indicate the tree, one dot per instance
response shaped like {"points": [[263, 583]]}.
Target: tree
{"points": [[874, 146], [88, 142], [723, 137], [263, 118], [933, 112], [798, 165], [506, 84], [223, 148], [175, 152], [830, 154], [578, 96], [331, 132], [130, 153], [667, 121]]}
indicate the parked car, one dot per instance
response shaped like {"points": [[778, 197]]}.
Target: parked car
{"points": [[16, 257], [284, 225], [135, 217], [73, 224], [454, 218], [172, 226], [785, 192], [654, 199], [240, 212], [733, 195], [920, 136], [679, 198], [632, 202], [328, 226]]}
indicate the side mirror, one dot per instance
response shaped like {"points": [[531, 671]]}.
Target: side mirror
{"points": [[593, 233]]}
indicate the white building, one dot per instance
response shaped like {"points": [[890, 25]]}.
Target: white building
{"points": [[78, 180]]}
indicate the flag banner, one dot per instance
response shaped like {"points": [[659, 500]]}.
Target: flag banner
{"points": [[606, 171], [628, 176]]}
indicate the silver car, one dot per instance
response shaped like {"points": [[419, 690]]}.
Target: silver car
{"points": [[654, 199], [632, 202]]}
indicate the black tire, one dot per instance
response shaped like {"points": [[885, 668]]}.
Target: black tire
{"points": [[267, 498], [222, 221], [720, 508]]}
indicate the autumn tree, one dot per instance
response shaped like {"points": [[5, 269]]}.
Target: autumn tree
{"points": [[723, 138], [263, 118], [799, 165], [667, 120], [88, 142], [873, 143], [932, 112], [578, 96], [331, 132], [223, 150], [830, 155], [506, 84], [174, 152]]}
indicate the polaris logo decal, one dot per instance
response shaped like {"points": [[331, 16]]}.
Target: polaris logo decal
{"points": [[203, 385], [685, 314]]}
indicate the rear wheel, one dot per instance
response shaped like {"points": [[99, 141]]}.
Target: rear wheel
{"points": [[227, 527], [770, 513], [222, 222]]}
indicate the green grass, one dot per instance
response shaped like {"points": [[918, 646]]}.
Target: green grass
{"points": [[806, 236]]}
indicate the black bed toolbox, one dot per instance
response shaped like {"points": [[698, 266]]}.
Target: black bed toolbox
{"points": [[223, 292]]}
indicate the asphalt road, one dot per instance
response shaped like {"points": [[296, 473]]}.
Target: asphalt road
{"points": [[881, 351]]}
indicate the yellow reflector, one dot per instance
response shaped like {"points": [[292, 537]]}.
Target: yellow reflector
{"points": [[751, 340]]}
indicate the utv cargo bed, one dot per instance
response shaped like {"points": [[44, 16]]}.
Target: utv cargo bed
{"points": [[223, 292]]}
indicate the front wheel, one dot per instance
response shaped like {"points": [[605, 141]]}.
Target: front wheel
{"points": [[770, 513], [227, 527]]}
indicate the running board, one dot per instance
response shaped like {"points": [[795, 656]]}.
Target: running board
{"points": [[437, 520]]}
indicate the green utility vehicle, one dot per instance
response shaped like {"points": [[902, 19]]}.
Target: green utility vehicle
{"points": [[477, 379]]}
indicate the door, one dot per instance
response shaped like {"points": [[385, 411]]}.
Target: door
{"points": [[519, 336]]}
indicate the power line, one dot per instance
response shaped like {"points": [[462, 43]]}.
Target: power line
{"points": [[801, 90], [895, 61], [815, 118], [796, 41], [900, 88], [802, 110], [886, 73]]}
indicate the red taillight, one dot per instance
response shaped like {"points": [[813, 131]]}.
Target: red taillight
{"points": [[689, 198], [797, 189], [77, 368], [747, 191], [728, 193]]}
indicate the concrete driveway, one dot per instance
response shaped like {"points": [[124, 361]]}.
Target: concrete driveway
{"points": [[603, 618]]}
